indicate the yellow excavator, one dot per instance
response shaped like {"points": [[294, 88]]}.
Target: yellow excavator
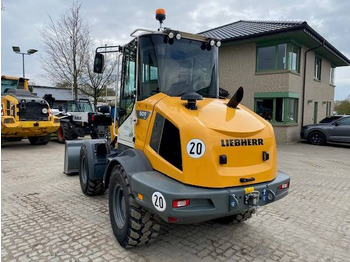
{"points": [[182, 153], [24, 115]]}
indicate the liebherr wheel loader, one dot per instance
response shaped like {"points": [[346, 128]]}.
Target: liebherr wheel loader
{"points": [[24, 115], [182, 154]]}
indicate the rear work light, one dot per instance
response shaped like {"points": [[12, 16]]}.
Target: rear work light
{"points": [[181, 203], [283, 186]]}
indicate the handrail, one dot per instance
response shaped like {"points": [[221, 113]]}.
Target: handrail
{"points": [[116, 96], [140, 29]]}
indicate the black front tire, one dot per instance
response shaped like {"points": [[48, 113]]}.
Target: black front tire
{"points": [[89, 186], [132, 225], [317, 138], [39, 140], [68, 134]]}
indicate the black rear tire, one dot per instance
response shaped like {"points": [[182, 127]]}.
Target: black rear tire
{"points": [[236, 218], [89, 186], [132, 224], [39, 140], [317, 138]]}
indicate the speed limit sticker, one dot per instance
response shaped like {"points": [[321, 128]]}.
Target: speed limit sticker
{"points": [[158, 201], [195, 148]]}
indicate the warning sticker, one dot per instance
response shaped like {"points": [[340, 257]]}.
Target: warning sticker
{"points": [[158, 201], [195, 148]]}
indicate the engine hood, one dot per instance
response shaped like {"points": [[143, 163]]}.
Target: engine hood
{"points": [[237, 135], [215, 115]]}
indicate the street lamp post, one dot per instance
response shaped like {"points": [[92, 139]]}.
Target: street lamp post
{"points": [[17, 50]]}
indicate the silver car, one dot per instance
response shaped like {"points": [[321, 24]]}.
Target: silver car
{"points": [[333, 131]]}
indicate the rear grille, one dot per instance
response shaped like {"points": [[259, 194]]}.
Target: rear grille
{"points": [[32, 111]]}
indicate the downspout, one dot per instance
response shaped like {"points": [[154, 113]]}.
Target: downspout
{"points": [[304, 82]]}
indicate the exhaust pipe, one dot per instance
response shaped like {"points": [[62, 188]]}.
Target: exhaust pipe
{"points": [[236, 98]]}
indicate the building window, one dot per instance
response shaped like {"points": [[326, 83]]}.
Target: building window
{"points": [[317, 71], [328, 108], [278, 57], [280, 107], [331, 75], [294, 53]]}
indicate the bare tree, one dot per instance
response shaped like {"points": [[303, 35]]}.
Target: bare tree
{"points": [[67, 42], [94, 84]]}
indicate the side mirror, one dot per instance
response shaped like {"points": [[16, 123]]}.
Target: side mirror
{"points": [[99, 63], [337, 123], [104, 109]]}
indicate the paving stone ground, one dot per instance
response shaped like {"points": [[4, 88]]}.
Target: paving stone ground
{"points": [[45, 216]]}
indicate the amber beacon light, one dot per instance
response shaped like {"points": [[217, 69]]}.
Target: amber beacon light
{"points": [[160, 16]]}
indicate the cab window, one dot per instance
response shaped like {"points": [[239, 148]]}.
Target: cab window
{"points": [[127, 96]]}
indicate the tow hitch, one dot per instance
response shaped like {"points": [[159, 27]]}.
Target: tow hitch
{"points": [[252, 199]]}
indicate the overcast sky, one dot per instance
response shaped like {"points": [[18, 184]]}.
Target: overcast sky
{"points": [[112, 21]]}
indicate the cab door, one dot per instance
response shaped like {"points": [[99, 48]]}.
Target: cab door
{"points": [[127, 116]]}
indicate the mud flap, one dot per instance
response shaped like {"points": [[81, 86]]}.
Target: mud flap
{"points": [[71, 156]]}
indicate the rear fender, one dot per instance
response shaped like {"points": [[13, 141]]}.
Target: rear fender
{"points": [[132, 161]]}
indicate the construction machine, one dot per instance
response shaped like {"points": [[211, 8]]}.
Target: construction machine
{"points": [[78, 119], [24, 115], [182, 153]]}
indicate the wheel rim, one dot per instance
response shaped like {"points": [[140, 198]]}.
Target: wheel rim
{"points": [[316, 138], [83, 171], [119, 206]]}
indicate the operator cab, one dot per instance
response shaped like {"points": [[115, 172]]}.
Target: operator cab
{"points": [[170, 62]]}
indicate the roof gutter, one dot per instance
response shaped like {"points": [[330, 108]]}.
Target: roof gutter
{"points": [[304, 80]]}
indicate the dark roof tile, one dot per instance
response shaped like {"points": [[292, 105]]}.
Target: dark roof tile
{"points": [[244, 28]]}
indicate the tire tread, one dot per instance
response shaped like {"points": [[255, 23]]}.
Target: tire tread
{"points": [[143, 227]]}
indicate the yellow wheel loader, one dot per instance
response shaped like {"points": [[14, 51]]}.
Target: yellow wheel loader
{"points": [[24, 115], [181, 153]]}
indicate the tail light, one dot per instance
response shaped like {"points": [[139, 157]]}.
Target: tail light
{"points": [[93, 118], [284, 186], [181, 203]]}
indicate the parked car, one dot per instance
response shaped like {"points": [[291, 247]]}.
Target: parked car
{"points": [[337, 130]]}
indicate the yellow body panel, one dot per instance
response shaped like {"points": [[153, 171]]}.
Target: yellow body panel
{"points": [[217, 126], [142, 126]]}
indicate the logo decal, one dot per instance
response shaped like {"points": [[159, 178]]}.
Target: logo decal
{"points": [[242, 142], [141, 114]]}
